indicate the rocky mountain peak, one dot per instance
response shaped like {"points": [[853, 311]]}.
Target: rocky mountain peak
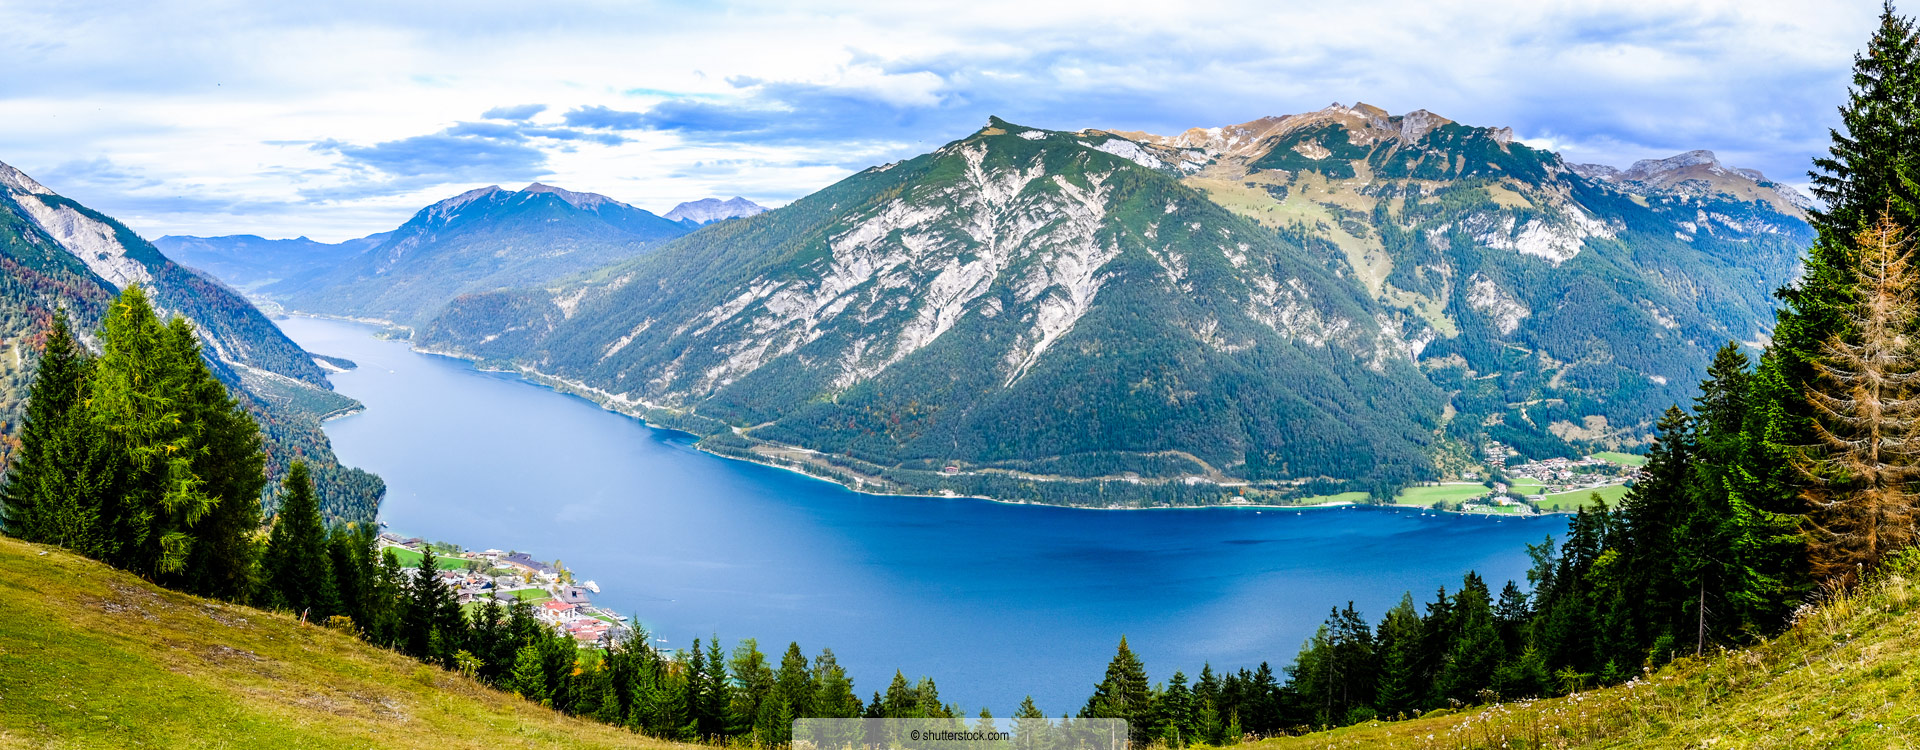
{"points": [[709, 210], [582, 201], [18, 181]]}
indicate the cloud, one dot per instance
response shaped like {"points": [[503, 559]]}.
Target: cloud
{"points": [[796, 96], [604, 118], [443, 157], [522, 112]]}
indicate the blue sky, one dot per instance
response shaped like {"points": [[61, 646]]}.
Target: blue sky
{"points": [[341, 119]]}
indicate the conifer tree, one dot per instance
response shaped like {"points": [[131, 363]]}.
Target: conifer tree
{"points": [[138, 402], [1866, 403], [299, 570], [63, 471], [422, 610], [1123, 694], [529, 674], [1398, 644], [833, 690], [228, 460]]}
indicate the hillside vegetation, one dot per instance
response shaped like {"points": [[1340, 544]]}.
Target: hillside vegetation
{"points": [[1842, 676], [95, 657]]}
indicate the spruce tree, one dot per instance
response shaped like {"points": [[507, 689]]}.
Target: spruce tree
{"points": [[1398, 644], [421, 613], [1123, 694], [1865, 398], [228, 459], [139, 403], [63, 472], [298, 567], [529, 677]]}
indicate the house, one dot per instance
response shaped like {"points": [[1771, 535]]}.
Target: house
{"points": [[523, 561], [588, 631], [571, 595], [558, 612]]}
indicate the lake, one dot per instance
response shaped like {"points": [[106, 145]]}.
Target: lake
{"points": [[993, 601]]}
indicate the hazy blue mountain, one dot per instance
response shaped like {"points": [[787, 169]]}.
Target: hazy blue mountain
{"points": [[247, 261], [709, 210], [1339, 298], [61, 256], [479, 240]]}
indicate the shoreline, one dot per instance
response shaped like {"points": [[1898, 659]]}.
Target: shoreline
{"points": [[629, 408]]}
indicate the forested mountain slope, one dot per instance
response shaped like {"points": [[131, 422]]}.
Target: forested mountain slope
{"points": [[477, 241], [1269, 310], [56, 254], [1564, 306], [92, 657]]}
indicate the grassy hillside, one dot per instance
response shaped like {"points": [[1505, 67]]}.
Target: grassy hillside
{"points": [[94, 657], [1843, 676]]}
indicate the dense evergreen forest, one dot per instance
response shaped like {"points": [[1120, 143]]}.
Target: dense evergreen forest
{"points": [[1791, 474]]}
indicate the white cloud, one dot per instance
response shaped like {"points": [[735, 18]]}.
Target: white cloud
{"points": [[206, 111]]}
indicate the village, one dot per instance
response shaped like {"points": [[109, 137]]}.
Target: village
{"points": [[1551, 485], [506, 577]]}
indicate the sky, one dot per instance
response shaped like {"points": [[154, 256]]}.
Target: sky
{"points": [[339, 119]]}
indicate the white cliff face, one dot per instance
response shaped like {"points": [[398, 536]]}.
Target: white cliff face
{"points": [[90, 240], [1556, 241], [1505, 310]]}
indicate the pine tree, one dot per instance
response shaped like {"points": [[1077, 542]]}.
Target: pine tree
{"points": [[421, 612], [298, 567], [833, 696], [1123, 694], [529, 675], [1476, 651], [1398, 644], [794, 682], [1176, 713], [1866, 404], [752, 685], [227, 458], [139, 403], [63, 471], [1649, 544]]}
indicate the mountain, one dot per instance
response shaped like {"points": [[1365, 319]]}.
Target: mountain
{"points": [[248, 262], [1564, 306], [709, 210], [1337, 299], [479, 240], [92, 657], [56, 254]]}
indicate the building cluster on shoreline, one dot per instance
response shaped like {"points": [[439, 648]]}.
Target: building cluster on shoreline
{"points": [[509, 576]]}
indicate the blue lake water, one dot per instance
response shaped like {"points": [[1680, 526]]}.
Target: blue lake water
{"points": [[993, 601]]}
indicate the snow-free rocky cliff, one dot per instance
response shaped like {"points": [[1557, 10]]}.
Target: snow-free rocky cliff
{"points": [[1283, 307]]}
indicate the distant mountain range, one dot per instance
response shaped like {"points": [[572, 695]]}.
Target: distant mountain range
{"points": [[709, 210], [479, 240], [59, 255], [1341, 299]]}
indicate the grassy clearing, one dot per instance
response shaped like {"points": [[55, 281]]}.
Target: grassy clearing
{"points": [[91, 657], [1842, 677], [1426, 496], [409, 559], [1577, 498], [1623, 459], [1344, 497]]}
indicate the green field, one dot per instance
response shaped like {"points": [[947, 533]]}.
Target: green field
{"points": [[1573, 500], [1623, 459], [1428, 495], [1344, 497], [91, 657], [409, 559], [1528, 487]]}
